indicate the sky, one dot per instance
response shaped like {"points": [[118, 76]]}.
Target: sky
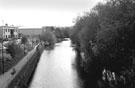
{"points": [[38, 13]]}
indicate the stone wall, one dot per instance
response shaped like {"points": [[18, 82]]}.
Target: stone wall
{"points": [[23, 78]]}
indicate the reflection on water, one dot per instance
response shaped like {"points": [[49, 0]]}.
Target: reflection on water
{"points": [[55, 68]]}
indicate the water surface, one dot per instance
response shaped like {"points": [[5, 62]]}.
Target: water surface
{"points": [[55, 68]]}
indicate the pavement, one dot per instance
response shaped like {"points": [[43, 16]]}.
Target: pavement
{"points": [[7, 77]]}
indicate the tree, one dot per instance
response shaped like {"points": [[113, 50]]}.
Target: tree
{"points": [[24, 40], [66, 32], [48, 36], [14, 49], [106, 36]]}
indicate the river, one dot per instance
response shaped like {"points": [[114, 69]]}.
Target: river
{"points": [[56, 68]]}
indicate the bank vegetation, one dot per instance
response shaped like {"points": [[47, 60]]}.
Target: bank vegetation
{"points": [[104, 39]]}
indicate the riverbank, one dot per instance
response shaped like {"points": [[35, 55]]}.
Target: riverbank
{"points": [[87, 75]]}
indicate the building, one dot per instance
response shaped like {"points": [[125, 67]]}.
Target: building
{"points": [[30, 31], [8, 32]]}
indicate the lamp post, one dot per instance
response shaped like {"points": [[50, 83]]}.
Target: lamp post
{"points": [[2, 55]]}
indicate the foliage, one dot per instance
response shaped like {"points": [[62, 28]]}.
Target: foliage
{"points": [[58, 33], [106, 37], [48, 36], [62, 32], [66, 32], [14, 49], [24, 40]]}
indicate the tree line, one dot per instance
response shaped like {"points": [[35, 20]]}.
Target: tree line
{"points": [[106, 37], [52, 34]]}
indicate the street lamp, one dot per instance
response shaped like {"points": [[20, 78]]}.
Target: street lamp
{"points": [[2, 55]]}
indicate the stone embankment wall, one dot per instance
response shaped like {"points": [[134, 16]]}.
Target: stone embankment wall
{"points": [[23, 78]]}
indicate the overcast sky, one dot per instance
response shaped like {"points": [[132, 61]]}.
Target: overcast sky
{"points": [[38, 13]]}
